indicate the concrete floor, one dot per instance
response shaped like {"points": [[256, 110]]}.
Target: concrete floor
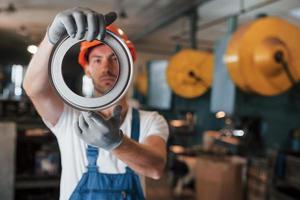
{"points": [[160, 190]]}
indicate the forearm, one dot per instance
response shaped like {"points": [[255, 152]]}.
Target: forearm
{"points": [[142, 158], [36, 81]]}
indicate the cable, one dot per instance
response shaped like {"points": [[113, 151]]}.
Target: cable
{"points": [[279, 58]]}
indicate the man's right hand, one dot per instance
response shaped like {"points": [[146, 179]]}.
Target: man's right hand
{"points": [[76, 22]]}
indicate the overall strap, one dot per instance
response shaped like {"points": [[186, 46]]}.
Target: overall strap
{"points": [[135, 125], [135, 129], [92, 155]]}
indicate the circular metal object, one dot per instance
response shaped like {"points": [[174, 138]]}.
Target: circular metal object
{"points": [[86, 103], [189, 73], [250, 56]]}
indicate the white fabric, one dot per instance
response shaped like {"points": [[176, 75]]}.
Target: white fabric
{"points": [[73, 149]]}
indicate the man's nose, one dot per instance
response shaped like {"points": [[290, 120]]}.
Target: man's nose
{"points": [[106, 64]]}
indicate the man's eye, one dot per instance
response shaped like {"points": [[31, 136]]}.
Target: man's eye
{"points": [[97, 61]]}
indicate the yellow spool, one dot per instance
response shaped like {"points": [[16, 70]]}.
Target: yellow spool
{"points": [[189, 73], [250, 56]]}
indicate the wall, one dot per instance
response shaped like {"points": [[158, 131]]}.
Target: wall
{"points": [[280, 114]]}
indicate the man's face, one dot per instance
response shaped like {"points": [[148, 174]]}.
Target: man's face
{"points": [[103, 68]]}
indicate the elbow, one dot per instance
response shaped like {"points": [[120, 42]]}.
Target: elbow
{"points": [[157, 175], [157, 171], [27, 86]]}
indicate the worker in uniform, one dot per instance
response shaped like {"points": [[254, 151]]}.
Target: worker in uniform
{"points": [[105, 154]]}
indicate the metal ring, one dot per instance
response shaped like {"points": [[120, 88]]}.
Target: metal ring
{"points": [[98, 103]]}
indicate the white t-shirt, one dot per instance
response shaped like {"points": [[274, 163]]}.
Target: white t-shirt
{"points": [[73, 149]]}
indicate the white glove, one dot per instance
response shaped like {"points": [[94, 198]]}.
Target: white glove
{"points": [[77, 21], [98, 132]]}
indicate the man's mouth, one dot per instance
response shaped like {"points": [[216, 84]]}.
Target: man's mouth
{"points": [[108, 79]]}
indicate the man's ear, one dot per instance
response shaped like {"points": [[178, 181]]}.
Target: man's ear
{"points": [[87, 71]]}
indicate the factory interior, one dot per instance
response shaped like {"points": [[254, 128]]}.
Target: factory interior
{"points": [[223, 74]]}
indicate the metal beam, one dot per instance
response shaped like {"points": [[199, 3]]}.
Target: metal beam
{"points": [[223, 19], [169, 15], [193, 28]]}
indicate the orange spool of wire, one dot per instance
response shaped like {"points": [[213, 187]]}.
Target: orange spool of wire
{"points": [[189, 73], [252, 56]]}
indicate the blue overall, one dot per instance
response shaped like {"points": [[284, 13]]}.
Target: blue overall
{"points": [[102, 186]]}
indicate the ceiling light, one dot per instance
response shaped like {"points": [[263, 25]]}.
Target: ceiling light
{"points": [[238, 133], [32, 49], [177, 149], [220, 114]]}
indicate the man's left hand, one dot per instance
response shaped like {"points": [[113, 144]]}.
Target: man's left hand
{"points": [[99, 132]]}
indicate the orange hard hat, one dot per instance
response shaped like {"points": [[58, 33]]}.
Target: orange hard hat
{"points": [[84, 46]]}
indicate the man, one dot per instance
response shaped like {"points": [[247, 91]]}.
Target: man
{"points": [[111, 133], [100, 63]]}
